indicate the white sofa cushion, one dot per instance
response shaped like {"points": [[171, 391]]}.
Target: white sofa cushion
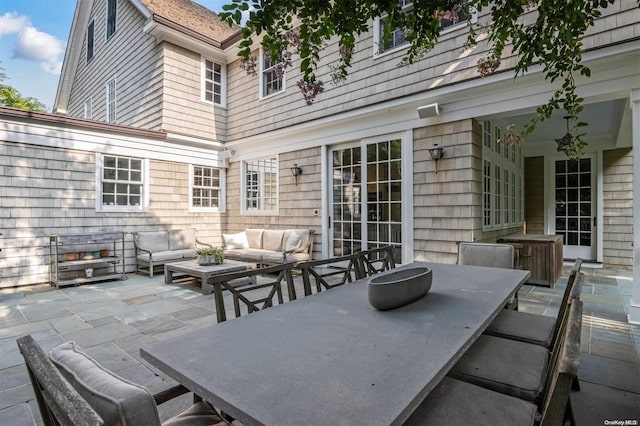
{"points": [[235, 241], [305, 240], [254, 238], [272, 239], [293, 240], [116, 400]]}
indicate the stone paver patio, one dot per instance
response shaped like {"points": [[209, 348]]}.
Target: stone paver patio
{"points": [[112, 320]]}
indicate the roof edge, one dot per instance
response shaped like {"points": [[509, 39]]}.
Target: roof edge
{"points": [[48, 118]]}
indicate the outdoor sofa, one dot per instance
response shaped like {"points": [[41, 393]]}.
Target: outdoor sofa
{"points": [[269, 246], [155, 248]]}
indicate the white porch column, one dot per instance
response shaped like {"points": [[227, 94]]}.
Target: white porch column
{"points": [[634, 314]]}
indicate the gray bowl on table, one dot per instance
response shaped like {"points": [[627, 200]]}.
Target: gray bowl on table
{"points": [[399, 287]]}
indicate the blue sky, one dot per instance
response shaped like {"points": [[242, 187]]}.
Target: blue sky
{"points": [[33, 37]]}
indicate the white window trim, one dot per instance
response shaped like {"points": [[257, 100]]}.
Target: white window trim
{"points": [[223, 81], [221, 195], [115, 101], [88, 108], [261, 78], [376, 33], [495, 155], [243, 190], [144, 205]]}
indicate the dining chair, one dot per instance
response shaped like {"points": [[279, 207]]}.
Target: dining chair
{"points": [[534, 328], [491, 255], [330, 273], [374, 261], [457, 402], [510, 366], [257, 288], [73, 389]]}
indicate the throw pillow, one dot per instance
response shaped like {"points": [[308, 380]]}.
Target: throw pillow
{"points": [[235, 241]]}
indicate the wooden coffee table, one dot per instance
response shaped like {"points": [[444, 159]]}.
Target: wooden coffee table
{"points": [[203, 273]]}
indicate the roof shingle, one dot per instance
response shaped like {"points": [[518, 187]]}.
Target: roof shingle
{"points": [[193, 16]]}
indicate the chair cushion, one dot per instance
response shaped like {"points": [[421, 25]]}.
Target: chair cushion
{"points": [[486, 254], [454, 402], [180, 239], [116, 400], [235, 241], [167, 256], [153, 240], [254, 238], [272, 239], [523, 326], [199, 414], [507, 366]]}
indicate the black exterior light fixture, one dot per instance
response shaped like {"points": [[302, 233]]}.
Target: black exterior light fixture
{"points": [[436, 153], [296, 171]]}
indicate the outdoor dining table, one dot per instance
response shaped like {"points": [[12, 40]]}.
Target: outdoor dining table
{"points": [[331, 358]]}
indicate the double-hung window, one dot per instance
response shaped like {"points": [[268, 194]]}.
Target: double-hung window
{"points": [[271, 76], [112, 13], [213, 82], [88, 109], [206, 188], [260, 186], [90, 39], [121, 183], [459, 14], [111, 101], [502, 180]]}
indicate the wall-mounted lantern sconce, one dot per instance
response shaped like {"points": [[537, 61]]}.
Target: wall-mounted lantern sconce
{"points": [[436, 153], [296, 171], [426, 111]]}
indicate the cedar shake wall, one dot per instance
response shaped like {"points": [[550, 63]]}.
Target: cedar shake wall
{"points": [[448, 204], [133, 58], [534, 195], [618, 208], [45, 191], [183, 110], [377, 79], [297, 203]]}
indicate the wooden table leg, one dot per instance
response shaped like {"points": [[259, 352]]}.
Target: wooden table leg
{"points": [[168, 275]]}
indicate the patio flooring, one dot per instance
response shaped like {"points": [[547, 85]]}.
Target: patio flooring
{"points": [[112, 320]]}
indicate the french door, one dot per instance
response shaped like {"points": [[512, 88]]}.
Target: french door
{"points": [[575, 206], [366, 197]]}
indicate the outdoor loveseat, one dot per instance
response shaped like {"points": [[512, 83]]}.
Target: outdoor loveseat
{"points": [[155, 248], [269, 246]]}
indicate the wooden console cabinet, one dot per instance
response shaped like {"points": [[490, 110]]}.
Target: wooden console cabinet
{"points": [[540, 254]]}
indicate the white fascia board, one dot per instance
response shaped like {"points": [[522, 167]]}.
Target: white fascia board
{"points": [[141, 8], [194, 141], [72, 55], [106, 143]]}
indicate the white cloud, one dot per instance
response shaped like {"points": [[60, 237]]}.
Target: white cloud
{"points": [[11, 23], [34, 45], [31, 44]]}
